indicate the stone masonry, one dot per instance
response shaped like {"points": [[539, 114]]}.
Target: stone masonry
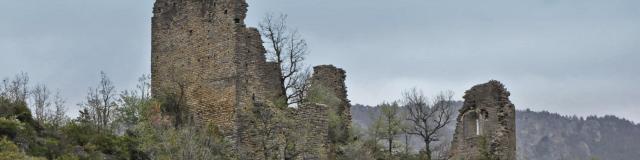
{"points": [[316, 117], [205, 56], [202, 51], [333, 78], [486, 125]]}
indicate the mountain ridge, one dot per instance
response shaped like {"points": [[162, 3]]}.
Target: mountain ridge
{"points": [[543, 135]]}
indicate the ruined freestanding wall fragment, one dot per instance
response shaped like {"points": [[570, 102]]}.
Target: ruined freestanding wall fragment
{"points": [[333, 79], [486, 125], [330, 79]]}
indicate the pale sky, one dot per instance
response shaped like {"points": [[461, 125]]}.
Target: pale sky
{"points": [[566, 56]]}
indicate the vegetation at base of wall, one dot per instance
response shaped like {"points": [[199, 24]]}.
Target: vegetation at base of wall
{"points": [[134, 127], [485, 152]]}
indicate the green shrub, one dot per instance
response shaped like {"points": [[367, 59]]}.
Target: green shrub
{"points": [[9, 127], [9, 151]]}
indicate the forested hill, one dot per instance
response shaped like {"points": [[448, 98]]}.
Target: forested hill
{"points": [[550, 136], [544, 135]]}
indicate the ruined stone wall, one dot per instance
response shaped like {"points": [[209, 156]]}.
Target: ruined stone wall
{"points": [[333, 79], [485, 125], [203, 53], [313, 118], [205, 57]]}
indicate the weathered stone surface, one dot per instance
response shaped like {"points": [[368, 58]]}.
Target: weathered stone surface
{"points": [[202, 51], [204, 55], [316, 117], [486, 125], [333, 79]]}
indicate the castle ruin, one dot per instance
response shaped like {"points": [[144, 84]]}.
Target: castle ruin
{"points": [[205, 57], [486, 125]]}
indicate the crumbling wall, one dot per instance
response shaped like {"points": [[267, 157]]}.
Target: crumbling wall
{"points": [[486, 125], [333, 79], [205, 57], [203, 54], [313, 118]]}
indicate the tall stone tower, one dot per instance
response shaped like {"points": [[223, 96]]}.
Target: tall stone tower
{"points": [[208, 62], [486, 125], [204, 56], [333, 79]]}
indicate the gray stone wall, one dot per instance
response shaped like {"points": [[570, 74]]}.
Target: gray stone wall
{"points": [[486, 125]]}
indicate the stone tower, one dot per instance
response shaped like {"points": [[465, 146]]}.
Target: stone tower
{"points": [[486, 125], [206, 60], [205, 57], [333, 79]]}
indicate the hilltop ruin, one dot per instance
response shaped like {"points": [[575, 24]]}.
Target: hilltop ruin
{"points": [[486, 125], [204, 56]]}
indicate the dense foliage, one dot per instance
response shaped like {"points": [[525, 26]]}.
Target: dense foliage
{"points": [[111, 125]]}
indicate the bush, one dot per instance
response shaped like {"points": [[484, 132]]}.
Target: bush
{"points": [[9, 151], [9, 127], [18, 109]]}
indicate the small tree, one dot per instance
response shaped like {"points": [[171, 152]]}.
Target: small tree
{"points": [[41, 102], [359, 149], [388, 126], [16, 89], [131, 102], [426, 119], [57, 116], [101, 102]]}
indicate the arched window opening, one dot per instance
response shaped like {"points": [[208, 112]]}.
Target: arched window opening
{"points": [[471, 124], [477, 127]]}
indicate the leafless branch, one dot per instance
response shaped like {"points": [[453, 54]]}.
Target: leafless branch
{"points": [[287, 49], [427, 118]]}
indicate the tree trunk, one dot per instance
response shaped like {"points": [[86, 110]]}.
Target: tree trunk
{"points": [[427, 149], [406, 142], [390, 149]]}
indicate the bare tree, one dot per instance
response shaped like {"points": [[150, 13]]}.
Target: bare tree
{"points": [[16, 89], [288, 49], [299, 87], [427, 118], [57, 116], [41, 101], [144, 87], [101, 102]]}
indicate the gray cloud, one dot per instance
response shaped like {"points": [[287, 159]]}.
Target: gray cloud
{"points": [[567, 56]]}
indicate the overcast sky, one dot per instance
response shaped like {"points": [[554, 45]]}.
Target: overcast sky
{"points": [[567, 56]]}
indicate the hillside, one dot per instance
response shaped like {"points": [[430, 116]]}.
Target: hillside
{"points": [[550, 136]]}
